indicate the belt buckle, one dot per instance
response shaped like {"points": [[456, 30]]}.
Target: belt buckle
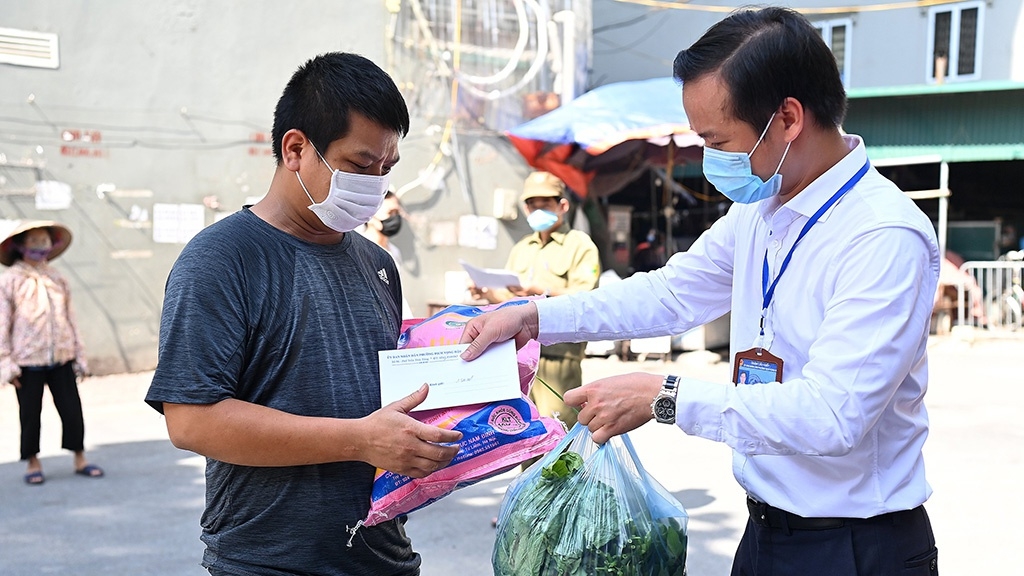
{"points": [[758, 511]]}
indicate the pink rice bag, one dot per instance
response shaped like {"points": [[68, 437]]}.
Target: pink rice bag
{"points": [[496, 437]]}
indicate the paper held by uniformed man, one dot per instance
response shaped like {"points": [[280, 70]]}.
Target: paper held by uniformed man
{"points": [[453, 382], [491, 277]]}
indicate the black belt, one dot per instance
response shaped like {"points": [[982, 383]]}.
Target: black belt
{"points": [[771, 517]]}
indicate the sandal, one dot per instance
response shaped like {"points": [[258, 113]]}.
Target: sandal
{"points": [[90, 470], [35, 478]]}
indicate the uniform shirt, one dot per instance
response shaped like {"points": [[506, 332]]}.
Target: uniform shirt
{"points": [[568, 263], [255, 314], [37, 324], [842, 435]]}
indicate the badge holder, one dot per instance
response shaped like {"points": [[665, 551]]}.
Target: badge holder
{"points": [[756, 366]]}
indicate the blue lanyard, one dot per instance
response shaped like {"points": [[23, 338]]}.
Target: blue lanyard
{"points": [[769, 291]]}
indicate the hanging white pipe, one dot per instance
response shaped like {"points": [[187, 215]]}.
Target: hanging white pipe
{"points": [[538, 61], [517, 52], [567, 90]]}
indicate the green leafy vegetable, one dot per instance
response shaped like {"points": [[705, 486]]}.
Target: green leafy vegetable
{"points": [[566, 522], [564, 466]]}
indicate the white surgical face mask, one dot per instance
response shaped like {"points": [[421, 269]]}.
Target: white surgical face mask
{"points": [[352, 200]]}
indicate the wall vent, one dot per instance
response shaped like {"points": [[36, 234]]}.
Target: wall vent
{"points": [[24, 48]]}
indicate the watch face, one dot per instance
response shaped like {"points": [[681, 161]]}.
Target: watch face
{"points": [[665, 410]]}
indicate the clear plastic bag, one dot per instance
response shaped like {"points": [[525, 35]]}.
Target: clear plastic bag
{"points": [[586, 509]]}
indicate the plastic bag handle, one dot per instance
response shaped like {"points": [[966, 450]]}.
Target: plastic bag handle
{"points": [[625, 437], [656, 502], [632, 454]]}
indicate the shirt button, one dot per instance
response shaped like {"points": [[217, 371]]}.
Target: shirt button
{"points": [[775, 243], [696, 428]]}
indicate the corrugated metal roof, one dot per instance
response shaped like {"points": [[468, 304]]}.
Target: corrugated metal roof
{"points": [[958, 125], [950, 153], [924, 89]]}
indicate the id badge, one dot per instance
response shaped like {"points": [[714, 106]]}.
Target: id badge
{"points": [[756, 366]]}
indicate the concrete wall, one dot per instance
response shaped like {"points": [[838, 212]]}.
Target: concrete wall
{"points": [[180, 93]]}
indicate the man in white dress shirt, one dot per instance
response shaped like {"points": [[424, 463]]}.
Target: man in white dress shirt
{"points": [[829, 272]]}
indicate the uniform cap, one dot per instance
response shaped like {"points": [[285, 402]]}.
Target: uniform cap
{"points": [[542, 185]]}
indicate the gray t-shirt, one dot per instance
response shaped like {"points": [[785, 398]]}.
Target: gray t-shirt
{"points": [[255, 314]]}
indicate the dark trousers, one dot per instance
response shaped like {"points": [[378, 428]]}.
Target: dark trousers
{"points": [[64, 389], [900, 543]]}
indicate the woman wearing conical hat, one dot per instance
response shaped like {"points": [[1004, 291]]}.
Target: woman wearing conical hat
{"points": [[39, 341]]}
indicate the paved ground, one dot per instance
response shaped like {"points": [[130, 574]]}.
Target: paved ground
{"points": [[142, 518]]}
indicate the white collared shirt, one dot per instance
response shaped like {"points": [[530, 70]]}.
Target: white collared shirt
{"points": [[842, 435]]}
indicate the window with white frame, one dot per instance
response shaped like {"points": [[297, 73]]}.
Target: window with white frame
{"points": [[836, 34], [954, 41]]}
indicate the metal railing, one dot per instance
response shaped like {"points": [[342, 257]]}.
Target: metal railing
{"points": [[991, 296]]}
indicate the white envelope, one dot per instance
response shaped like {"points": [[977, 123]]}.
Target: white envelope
{"points": [[453, 381]]}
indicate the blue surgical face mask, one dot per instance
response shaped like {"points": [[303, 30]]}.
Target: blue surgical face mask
{"points": [[541, 220], [731, 174]]}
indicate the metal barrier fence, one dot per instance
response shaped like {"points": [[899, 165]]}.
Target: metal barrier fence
{"points": [[990, 295]]}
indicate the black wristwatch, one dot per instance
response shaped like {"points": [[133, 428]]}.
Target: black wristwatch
{"points": [[664, 405]]}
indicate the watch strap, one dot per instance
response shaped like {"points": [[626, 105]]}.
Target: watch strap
{"points": [[663, 406]]}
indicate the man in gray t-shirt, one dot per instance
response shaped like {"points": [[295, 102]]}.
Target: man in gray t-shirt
{"points": [[268, 345]]}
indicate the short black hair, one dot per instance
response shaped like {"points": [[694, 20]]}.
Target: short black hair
{"points": [[324, 90], [765, 56]]}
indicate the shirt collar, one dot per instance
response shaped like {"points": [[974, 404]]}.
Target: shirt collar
{"points": [[25, 269], [811, 198]]}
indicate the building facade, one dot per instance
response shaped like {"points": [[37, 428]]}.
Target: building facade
{"points": [[936, 89]]}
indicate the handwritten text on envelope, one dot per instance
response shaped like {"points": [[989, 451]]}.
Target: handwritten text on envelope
{"points": [[453, 381]]}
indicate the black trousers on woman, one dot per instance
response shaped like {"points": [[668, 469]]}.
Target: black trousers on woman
{"points": [[64, 389]]}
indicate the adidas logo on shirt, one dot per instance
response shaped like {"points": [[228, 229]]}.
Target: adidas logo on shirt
{"points": [[383, 275]]}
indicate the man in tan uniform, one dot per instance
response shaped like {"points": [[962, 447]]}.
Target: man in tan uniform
{"points": [[554, 260]]}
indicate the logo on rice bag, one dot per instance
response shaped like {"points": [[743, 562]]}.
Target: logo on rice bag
{"points": [[507, 420]]}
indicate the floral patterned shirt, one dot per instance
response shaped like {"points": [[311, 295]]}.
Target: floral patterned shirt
{"points": [[37, 324]]}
